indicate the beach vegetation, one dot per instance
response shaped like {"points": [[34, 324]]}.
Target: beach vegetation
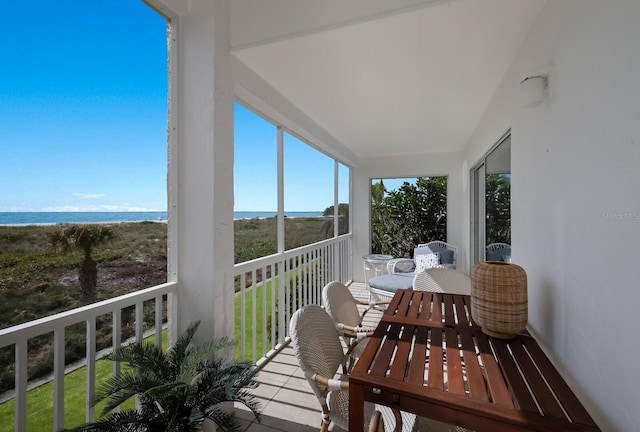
{"points": [[36, 281], [256, 238], [343, 220], [84, 238]]}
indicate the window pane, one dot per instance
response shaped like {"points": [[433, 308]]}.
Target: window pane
{"points": [[84, 141], [498, 194], [343, 199], [308, 190], [406, 212], [491, 181], [255, 185]]}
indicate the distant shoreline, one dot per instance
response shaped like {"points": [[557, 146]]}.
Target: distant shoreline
{"points": [[44, 224], [54, 218]]}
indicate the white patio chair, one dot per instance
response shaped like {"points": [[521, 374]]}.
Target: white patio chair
{"points": [[498, 252], [317, 347], [447, 256], [442, 280], [342, 307]]}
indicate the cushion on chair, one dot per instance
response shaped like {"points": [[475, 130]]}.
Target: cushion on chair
{"points": [[392, 282], [422, 251], [425, 261], [404, 266], [498, 255], [446, 255]]}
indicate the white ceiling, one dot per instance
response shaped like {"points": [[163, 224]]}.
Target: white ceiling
{"points": [[382, 77]]}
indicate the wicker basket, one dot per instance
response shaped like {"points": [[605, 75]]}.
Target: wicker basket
{"points": [[499, 298]]}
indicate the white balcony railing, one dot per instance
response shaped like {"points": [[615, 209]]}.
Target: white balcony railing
{"points": [[19, 337], [273, 287], [270, 290]]}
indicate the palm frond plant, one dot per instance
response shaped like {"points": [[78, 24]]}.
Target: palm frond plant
{"points": [[83, 238], [178, 389]]}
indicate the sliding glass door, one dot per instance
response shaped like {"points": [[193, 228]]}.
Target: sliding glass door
{"points": [[491, 204]]}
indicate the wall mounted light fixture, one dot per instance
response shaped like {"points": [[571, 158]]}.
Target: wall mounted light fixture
{"points": [[533, 90]]}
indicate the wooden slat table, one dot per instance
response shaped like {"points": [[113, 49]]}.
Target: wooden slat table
{"points": [[428, 357]]}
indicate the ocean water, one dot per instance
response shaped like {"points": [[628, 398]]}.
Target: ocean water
{"points": [[262, 215], [29, 218]]}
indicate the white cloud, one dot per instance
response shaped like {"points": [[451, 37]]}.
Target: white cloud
{"points": [[88, 195]]}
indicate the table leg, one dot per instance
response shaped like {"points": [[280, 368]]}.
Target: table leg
{"points": [[356, 408]]}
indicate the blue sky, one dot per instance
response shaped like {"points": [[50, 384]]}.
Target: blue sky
{"points": [[308, 174], [83, 108]]}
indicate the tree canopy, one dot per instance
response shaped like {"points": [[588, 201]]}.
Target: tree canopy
{"points": [[343, 220], [417, 213], [412, 214], [84, 238], [498, 208]]}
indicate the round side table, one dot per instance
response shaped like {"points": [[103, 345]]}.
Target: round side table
{"points": [[375, 265]]}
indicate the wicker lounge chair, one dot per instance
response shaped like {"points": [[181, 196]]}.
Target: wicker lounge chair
{"points": [[447, 255], [403, 270]]}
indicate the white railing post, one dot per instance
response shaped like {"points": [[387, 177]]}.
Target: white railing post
{"points": [[90, 370], [139, 325], [264, 310], [158, 320], [21, 385], [254, 315], [58, 378], [243, 314], [116, 341], [281, 300], [275, 287]]}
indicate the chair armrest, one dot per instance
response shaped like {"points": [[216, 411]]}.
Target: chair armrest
{"points": [[376, 424], [332, 384], [355, 332], [392, 264], [371, 305]]}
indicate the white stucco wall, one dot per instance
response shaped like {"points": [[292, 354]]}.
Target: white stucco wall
{"points": [[575, 203]]}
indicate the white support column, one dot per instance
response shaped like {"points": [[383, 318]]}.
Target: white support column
{"points": [[336, 198], [282, 267], [205, 169], [361, 219], [280, 170], [336, 219]]}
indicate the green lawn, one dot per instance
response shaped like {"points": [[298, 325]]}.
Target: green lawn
{"points": [[40, 399], [260, 293]]}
